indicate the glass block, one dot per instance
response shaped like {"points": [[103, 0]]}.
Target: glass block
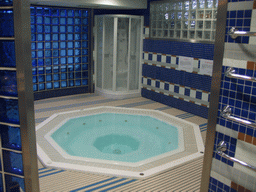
{"points": [[85, 21], [6, 2], [70, 68], [56, 69], [85, 29], [49, 86], [63, 29], [78, 82], [12, 181], [184, 34], [85, 74], [33, 54], [77, 21], [39, 28], [70, 60], [55, 29], [47, 11], [48, 53], [40, 54], [85, 82], [7, 58], [200, 14], [77, 67], [32, 9], [35, 88], [78, 75], [40, 62], [63, 21], [208, 14], [6, 24], [194, 4], [63, 76], [33, 37], [39, 10], [39, 20], [55, 61], [8, 83], [200, 24], [199, 35], [207, 35], [34, 63], [70, 45], [208, 24], [55, 45], [85, 67], [84, 59], [63, 12], [55, 20], [77, 29], [70, 52], [55, 12], [10, 137], [9, 112], [71, 83], [34, 71], [33, 29], [48, 70], [201, 4], [70, 29], [192, 34], [41, 70], [77, 59], [84, 13], [70, 37], [77, 13], [47, 20], [71, 75], [77, 44], [63, 83], [63, 52], [55, 37], [47, 29], [41, 78], [48, 61], [63, 37], [77, 52], [56, 84], [13, 162], [40, 45], [34, 79], [63, 68], [47, 37], [77, 37], [85, 44], [40, 37], [85, 36], [62, 45], [70, 13], [70, 21], [41, 86], [177, 34], [56, 77], [55, 53], [192, 24], [185, 24]]}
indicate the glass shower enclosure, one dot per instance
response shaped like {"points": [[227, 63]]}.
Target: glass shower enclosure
{"points": [[118, 49]]}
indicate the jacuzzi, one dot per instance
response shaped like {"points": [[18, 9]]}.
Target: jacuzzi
{"points": [[117, 141]]}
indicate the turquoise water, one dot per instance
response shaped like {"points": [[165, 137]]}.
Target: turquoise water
{"points": [[117, 137]]}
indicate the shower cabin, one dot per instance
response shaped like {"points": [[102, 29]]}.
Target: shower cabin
{"points": [[118, 49]]}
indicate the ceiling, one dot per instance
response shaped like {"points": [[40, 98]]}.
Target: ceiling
{"points": [[96, 4]]}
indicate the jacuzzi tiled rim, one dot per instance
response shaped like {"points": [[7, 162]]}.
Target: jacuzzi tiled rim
{"points": [[51, 157]]}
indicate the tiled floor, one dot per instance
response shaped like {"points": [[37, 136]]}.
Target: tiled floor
{"points": [[183, 178]]}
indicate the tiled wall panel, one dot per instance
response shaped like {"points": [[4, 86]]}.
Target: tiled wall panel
{"points": [[240, 95], [163, 82]]}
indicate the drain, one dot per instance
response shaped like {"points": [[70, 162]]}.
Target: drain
{"points": [[116, 151], [141, 174]]}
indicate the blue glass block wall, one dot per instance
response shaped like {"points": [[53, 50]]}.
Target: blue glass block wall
{"points": [[60, 50], [11, 165]]}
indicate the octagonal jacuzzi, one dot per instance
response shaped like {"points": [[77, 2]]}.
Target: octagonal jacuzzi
{"points": [[117, 141]]}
